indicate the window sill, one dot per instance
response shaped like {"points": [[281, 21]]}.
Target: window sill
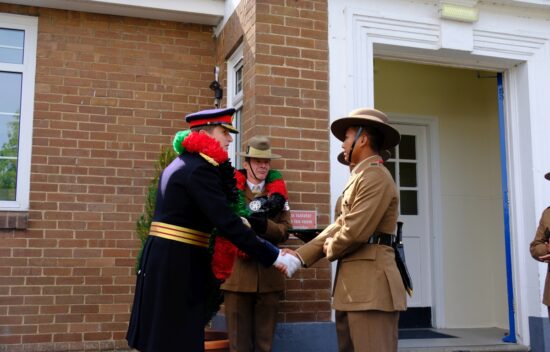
{"points": [[10, 220]]}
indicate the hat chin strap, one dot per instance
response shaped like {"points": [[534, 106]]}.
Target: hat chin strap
{"points": [[357, 135], [253, 173]]}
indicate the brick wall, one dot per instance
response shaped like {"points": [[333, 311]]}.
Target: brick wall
{"points": [[110, 92], [285, 46]]}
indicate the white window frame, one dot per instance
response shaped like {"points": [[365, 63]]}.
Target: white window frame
{"points": [[27, 69], [235, 100]]}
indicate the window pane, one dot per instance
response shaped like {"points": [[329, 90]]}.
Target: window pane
{"points": [[10, 93], [409, 202], [9, 135], [239, 80], [391, 166], [8, 179], [11, 46], [407, 174], [407, 147], [10, 108]]}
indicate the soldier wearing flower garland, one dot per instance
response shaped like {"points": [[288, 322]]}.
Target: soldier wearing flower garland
{"points": [[252, 292], [192, 207]]}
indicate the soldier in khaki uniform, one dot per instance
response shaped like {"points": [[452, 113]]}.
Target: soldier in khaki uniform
{"points": [[252, 292], [368, 292], [540, 249]]}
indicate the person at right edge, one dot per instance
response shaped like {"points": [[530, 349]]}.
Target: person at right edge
{"points": [[368, 291], [540, 249]]}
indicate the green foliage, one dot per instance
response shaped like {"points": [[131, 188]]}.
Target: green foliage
{"points": [[143, 224], [8, 167]]}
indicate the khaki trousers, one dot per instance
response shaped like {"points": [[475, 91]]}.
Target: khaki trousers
{"points": [[367, 331], [251, 319]]}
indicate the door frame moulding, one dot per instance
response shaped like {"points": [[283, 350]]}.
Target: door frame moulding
{"points": [[520, 56]]}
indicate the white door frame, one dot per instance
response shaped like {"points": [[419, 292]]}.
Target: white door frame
{"points": [[500, 40]]}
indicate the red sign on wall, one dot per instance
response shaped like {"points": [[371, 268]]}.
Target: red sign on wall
{"points": [[303, 219]]}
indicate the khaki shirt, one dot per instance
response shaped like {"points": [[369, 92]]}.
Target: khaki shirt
{"points": [[538, 249], [367, 277]]}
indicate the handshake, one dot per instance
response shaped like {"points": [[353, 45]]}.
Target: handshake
{"points": [[287, 262]]}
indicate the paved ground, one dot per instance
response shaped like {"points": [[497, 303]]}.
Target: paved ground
{"points": [[467, 340]]}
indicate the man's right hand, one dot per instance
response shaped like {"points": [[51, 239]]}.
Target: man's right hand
{"points": [[287, 263]]}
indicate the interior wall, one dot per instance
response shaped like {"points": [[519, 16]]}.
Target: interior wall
{"points": [[465, 106]]}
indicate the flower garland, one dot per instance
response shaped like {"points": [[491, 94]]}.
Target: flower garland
{"points": [[202, 143], [274, 183]]}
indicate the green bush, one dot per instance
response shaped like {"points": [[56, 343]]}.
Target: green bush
{"points": [[143, 224]]}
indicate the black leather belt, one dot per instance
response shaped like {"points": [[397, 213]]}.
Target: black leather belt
{"points": [[382, 238]]}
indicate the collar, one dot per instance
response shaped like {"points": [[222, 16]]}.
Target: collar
{"points": [[373, 160], [251, 185]]}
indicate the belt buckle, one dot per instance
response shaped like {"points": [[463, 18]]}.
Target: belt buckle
{"points": [[378, 239]]}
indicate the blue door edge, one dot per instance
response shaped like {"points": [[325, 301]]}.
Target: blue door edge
{"points": [[511, 337]]}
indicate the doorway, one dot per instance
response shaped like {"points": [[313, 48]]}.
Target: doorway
{"points": [[453, 210], [409, 167]]}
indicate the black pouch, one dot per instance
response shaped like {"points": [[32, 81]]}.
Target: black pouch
{"points": [[400, 259]]}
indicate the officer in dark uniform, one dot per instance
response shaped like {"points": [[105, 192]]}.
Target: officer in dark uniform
{"points": [[192, 200]]}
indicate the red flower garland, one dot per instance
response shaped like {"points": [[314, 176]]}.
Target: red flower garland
{"points": [[197, 142], [241, 180], [223, 258], [277, 185]]}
